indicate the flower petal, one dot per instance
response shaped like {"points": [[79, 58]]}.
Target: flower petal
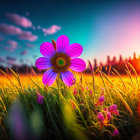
{"points": [[47, 49], [78, 64], [49, 77], [62, 43], [74, 50], [68, 78], [43, 63]]}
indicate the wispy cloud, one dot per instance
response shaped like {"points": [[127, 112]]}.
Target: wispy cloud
{"points": [[12, 46], [13, 30], [10, 29], [24, 52], [27, 36], [19, 20], [52, 30]]}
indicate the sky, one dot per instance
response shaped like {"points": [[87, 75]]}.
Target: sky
{"points": [[101, 27]]}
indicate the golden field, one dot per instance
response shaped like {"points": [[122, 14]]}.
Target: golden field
{"points": [[66, 113]]}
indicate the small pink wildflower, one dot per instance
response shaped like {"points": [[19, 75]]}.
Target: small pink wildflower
{"points": [[108, 115], [115, 132], [90, 92], [100, 117], [113, 110], [100, 100], [87, 88], [39, 98]]}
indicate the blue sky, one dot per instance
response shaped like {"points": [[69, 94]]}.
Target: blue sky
{"points": [[101, 27]]}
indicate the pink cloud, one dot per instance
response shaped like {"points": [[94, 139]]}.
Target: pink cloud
{"points": [[10, 29], [52, 30], [13, 44], [27, 36], [24, 52], [19, 20]]}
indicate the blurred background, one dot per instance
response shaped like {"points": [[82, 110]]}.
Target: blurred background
{"points": [[109, 31]]}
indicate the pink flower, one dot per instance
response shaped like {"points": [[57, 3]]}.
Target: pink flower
{"points": [[59, 60], [106, 109], [108, 115], [101, 100], [39, 98], [100, 116], [113, 110], [90, 92], [115, 132], [87, 88]]}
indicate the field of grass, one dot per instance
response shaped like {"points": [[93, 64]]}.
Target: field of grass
{"points": [[69, 112]]}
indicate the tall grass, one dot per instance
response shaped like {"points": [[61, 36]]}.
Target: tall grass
{"points": [[64, 114]]}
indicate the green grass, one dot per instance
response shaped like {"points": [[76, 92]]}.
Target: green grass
{"points": [[62, 114]]}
